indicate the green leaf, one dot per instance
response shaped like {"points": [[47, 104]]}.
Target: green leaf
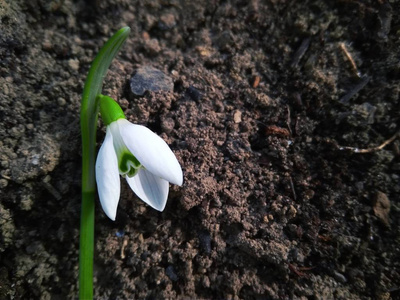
{"points": [[90, 107], [89, 114]]}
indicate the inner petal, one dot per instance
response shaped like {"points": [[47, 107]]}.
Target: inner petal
{"points": [[128, 165]]}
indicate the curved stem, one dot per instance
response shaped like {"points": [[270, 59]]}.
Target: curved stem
{"points": [[89, 114]]}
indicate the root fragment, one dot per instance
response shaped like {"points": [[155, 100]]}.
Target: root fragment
{"points": [[372, 149]]}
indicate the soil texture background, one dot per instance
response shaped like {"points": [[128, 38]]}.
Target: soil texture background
{"points": [[275, 110]]}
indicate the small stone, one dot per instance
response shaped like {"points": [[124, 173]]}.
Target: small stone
{"points": [[216, 202], [264, 100], [150, 79], [237, 116], [381, 206], [61, 101], [256, 81], [170, 271], [3, 183], [167, 21], [145, 35], [203, 51], [194, 93], [339, 277], [73, 64], [291, 212], [152, 46], [205, 241], [167, 125], [206, 282], [47, 45], [120, 233]]}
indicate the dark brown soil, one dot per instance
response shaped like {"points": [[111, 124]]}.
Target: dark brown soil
{"points": [[266, 94]]}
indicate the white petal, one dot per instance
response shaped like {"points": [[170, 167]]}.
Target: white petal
{"points": [[151, 151], [150, 188], [107, 177]]}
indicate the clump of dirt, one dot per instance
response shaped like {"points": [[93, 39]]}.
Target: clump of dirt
{"points": [[271, 103]]}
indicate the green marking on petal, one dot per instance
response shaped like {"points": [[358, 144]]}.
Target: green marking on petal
{"points": [[132, 172], [128, 164]]}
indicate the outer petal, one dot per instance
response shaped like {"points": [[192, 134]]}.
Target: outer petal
{"points": [[151, 151], [107, 177], [150, 188]]}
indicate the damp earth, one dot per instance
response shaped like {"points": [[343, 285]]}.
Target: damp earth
{"points": [[283, 114]]}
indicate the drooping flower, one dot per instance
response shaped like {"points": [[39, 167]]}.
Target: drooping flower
{"points": [[139, 155]]}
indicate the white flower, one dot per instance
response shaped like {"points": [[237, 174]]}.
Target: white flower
{"points": [[143, 158]]}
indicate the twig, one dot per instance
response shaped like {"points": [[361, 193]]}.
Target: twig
{"points": [[124, 244], [300, 52], [297, 270], [373, 149], [292, 187], [288, 119], [350, 58], [358, 87]]}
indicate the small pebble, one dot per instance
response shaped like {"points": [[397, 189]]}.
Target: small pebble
{"points": [[167, 125], [150, 79], [3, 183], [73, 64], [167, 21], [237, 116], [120, 233], [381, 207], [61, 101], [339, 277], [205, 241], [170, 271], [47, 45], [194, 93], [256, 81], [153, 46]]}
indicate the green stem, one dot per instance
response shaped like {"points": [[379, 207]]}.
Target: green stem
{"points": [[86, 247], [89, 114]]}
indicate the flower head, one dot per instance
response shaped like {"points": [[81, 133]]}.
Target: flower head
{"points": [[139, 155]]}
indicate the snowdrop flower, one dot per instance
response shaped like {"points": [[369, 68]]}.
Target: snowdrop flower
{"points": [[136, 153]]}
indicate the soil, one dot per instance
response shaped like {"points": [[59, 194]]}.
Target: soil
{"points": [[271, 103]]}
